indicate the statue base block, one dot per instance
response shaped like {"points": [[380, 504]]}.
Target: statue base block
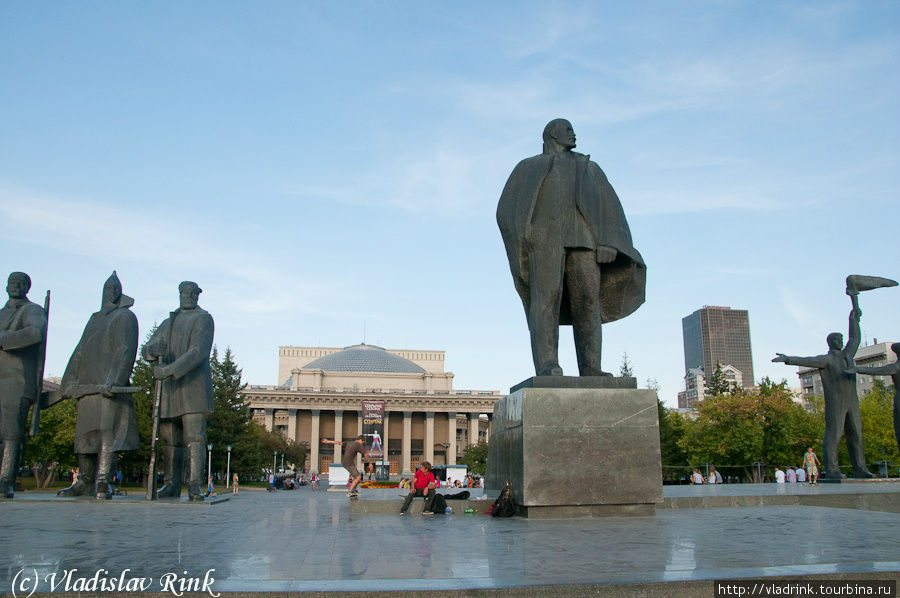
{"points": [[577, 452]]}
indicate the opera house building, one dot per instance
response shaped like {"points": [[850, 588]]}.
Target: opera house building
{"points": [[331, 393]]}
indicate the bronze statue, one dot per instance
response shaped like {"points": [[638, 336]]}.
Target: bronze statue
{"points": [[98, 376], [23, 330], [184, 342], [839, 386], [569, 250]]}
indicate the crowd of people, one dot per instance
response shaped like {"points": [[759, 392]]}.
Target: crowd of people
{"points": [[808, 471]]}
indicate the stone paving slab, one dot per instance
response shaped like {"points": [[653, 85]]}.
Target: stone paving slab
{"points": [[311, 541]]}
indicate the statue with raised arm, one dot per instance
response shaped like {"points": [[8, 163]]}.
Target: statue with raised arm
{"points": [[184, 342], [98, 377], [23, 328], [569, 249], [838, 369]]}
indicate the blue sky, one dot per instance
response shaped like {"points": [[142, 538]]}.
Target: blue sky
{"points": [[329, 172]]}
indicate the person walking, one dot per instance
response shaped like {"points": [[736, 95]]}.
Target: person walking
{"points": [[810, 464], [234, 484]]}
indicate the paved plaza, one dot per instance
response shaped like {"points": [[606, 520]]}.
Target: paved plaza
{"points": [[308, 541]]}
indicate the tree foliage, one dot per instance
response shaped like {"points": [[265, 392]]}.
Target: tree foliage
{"points": [[625, 367], [53, 448], [717, 384], [475, 457], [876, 411], [743, 426]]}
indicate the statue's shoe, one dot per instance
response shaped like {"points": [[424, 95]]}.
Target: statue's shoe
{"points": [[104, 491], [79, 488], [168, 491], [194, 492]]}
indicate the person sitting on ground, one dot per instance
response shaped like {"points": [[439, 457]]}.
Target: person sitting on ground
{"points": [[423, 485], [790, 475], [779, 475], [696, 477], [801, 475]]}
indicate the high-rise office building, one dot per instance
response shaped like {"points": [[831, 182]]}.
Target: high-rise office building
{"points": [[718, 335]]}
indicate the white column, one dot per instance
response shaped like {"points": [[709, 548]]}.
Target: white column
{"points": [[314, 442], [270, 419], [292, 424], [407, 444], [487, 431], [338, 434], [429, 436], [451, 431], [473, 428]]}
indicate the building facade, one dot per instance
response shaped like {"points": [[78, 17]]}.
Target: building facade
{"points": [[877, 354], [322, 392], [714, 336]]}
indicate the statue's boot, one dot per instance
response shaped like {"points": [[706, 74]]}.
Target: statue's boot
{"points": [[104, 475], [197, 456], [864, 473], [9, 467], [84, 481], [174, 469]]}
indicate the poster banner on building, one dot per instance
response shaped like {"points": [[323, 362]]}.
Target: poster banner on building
{"points": [[373, 428]]}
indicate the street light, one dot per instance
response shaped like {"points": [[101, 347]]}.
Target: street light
{"points": [[228, 467], [274, 461], [209, 466], [282, 461]]}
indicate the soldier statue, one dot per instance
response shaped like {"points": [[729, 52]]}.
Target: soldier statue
{"points": [[98, 376], [183, 343], [23, 331]]}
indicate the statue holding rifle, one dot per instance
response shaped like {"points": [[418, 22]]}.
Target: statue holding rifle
{"points": [[184, 342], [98, 376], [23, 334]]}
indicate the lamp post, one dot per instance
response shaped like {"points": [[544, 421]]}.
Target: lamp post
{"points": [[282, 461], [209, 461], [228, 467], [274, 461]]}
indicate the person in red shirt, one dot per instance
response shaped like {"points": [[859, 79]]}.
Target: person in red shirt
{"points": [[423, 485]]}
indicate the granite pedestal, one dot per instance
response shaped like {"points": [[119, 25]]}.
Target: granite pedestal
{"points": [[577, 452]]}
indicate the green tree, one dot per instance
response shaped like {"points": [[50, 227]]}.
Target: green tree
{"points": [[138, 461], [231, 417], [625, 367], [717, 384], [53, 448], [475, 457], [876, 411], [671, 429], [741, 427]]}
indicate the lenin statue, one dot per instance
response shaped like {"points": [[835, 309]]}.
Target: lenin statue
{"points": [[97, 374], [184, 341], [569, 250], [23, 329]]}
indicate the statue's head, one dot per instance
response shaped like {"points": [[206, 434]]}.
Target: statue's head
{"points": [[112, 290], [188, 292], [559, 136], [17, 285], [896, 349], [835, 340]]}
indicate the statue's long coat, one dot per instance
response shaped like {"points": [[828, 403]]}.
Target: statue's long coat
{"points": [[105, 356], [188, 336], [622, 282], [21, 352]]}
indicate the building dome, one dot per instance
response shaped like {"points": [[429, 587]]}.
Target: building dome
{"points": [[364, 358]]}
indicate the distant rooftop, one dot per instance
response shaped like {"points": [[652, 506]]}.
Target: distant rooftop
{"points": [[364, 358]]}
